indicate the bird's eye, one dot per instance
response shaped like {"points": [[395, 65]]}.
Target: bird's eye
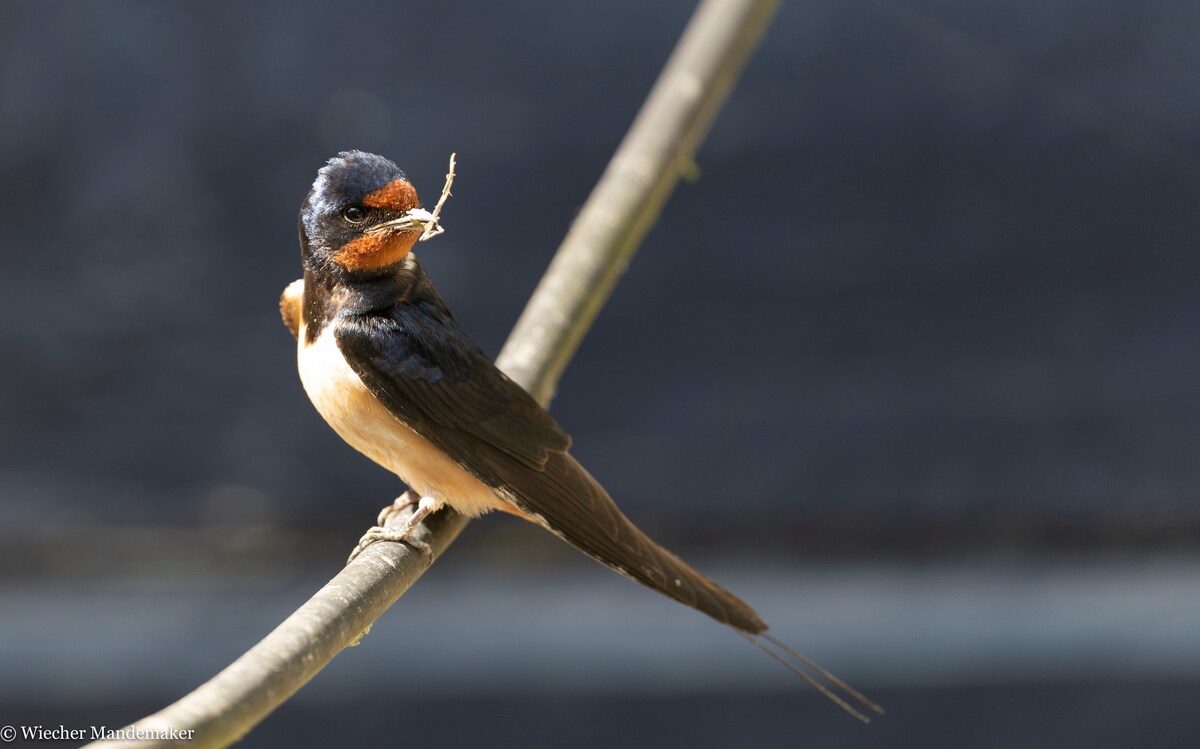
{"points": [[355, 214]]}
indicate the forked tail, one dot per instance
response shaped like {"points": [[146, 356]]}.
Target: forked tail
{"points": [[567, 501]]}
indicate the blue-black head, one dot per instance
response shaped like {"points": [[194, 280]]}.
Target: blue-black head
{"points": [[353, 218]]}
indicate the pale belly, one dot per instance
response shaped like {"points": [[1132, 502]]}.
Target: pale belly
{"points": [[362, 421]]}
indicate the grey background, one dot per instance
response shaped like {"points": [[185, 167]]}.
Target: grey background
{"points": [[911, 366]]}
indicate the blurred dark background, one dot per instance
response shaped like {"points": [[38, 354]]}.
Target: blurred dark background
{"points": [[911, 367]]}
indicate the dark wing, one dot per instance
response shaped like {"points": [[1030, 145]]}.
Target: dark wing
{"points": [[418, 363], [443, 386]]}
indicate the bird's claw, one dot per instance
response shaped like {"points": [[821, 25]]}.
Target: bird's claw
{"points": [[398, 535], [383, 530]]}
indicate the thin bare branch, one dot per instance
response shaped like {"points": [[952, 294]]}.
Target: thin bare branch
{"points": [[658, 149]]}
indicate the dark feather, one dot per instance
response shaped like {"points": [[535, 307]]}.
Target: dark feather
{"points": [[417, 362]]}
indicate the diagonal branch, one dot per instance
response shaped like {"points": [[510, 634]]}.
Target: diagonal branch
{"points": [[625, 203], [657, 150]]}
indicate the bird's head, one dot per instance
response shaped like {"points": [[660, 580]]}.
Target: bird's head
{"points": [[354, 217]]}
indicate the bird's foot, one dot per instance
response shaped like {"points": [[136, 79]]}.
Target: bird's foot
{"points": [[398, 535], [402, 534]]}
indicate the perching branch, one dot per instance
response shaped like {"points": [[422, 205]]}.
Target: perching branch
{"points": [[657, 150], [625, 203]]}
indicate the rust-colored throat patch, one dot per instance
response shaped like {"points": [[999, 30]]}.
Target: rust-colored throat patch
{"points": [[375, 250]]}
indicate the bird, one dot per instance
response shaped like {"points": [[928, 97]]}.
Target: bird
{"points": [[389, 369]]}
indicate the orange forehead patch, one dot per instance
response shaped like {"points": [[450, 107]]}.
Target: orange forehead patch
{"points": [[373, 251], [398, 195]]}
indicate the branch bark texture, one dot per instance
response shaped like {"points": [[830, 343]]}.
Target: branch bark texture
{"points": [[627, 200]]}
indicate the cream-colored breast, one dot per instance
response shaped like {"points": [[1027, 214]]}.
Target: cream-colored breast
{"points": [[366, 424]]}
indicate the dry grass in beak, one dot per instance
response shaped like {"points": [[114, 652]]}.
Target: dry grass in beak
{"points": [[430, 220]]}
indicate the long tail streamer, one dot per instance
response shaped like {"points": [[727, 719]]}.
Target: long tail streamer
{"points": [[797, 663]]}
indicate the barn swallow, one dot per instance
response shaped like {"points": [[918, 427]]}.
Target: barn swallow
{"points": [[387, 366]]}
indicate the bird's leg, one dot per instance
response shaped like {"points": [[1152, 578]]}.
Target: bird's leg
{"points": [[404, 501], [381, 532]]}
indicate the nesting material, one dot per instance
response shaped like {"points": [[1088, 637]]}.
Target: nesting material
{"points": [[429, 219]]}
